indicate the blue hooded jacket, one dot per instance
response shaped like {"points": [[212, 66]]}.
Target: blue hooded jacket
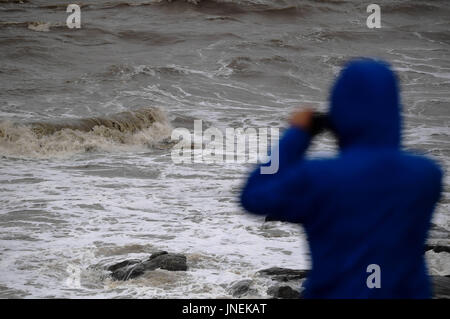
{"points": [[370, 204]]}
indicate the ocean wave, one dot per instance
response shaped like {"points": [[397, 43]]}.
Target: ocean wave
{"points": [[247, 66], [39, 26], [411, 7], [143, 128], [239, 6], [283, 7], [229, 6], [128, 72]]}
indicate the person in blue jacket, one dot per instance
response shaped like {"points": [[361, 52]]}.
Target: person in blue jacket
{"points": [[366, 211]]}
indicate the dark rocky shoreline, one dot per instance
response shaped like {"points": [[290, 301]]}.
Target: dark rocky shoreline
{"points": [[284, 279], [437, 248]]}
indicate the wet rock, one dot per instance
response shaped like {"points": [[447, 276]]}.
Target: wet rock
{"points": [[441, 287], [133, 268], [284, 274], [164, 260], [123, 264], [241, 288], [283, 292], [128, 272], [437, 248]]}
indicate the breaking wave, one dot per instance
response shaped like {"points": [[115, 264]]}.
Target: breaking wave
{"points": [[143, 128], [239, 6], [230, 6]]}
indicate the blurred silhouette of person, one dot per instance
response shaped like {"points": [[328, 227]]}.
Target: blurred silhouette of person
{"points": [[369, 205]]}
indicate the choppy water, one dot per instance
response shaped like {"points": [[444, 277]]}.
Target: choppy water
{"points": [[75, 199]]}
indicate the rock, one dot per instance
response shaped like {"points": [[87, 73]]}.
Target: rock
{"points": [[284, 274], [128, 272], [441, 287], [437, 248], [283, 292], [241, 288], [123, 264], [164, 260], [133, 268], [157, 254]]}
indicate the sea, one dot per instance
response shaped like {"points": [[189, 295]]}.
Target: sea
{"points": [[87, 176]]}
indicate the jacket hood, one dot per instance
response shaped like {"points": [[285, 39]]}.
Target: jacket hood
{"points": [[365, 106]]}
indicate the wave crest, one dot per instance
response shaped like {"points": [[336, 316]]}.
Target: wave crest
{"points": [[129, 130]]}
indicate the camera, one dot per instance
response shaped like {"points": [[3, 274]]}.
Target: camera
{"points": [[320, 123]]}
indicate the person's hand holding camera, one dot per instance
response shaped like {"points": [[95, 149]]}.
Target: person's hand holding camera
{"points": [[302, 119], [312, 122]]}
